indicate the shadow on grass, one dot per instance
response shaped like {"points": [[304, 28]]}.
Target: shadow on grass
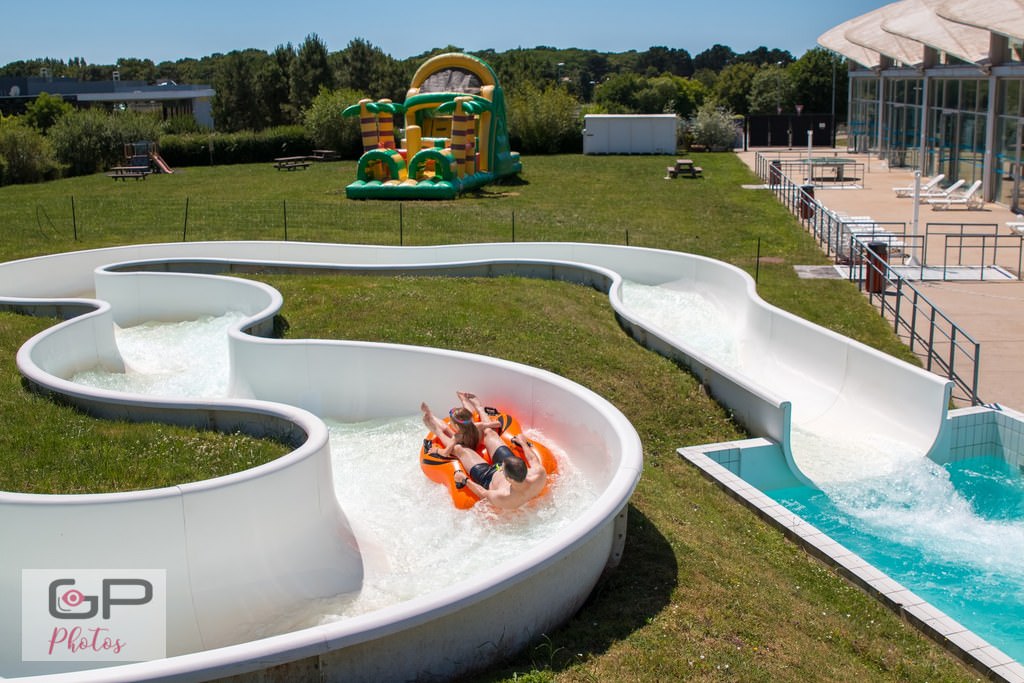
{"points": [[625, 600], [500, 188]]}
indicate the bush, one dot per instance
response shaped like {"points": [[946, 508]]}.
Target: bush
{"points": [[25, 155], [84, 141], [92, 140], [187, 149], [244, 147], [180, 124], [329, 129], [544, 122], [712, 127]]}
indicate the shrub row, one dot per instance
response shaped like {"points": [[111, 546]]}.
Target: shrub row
{"points": [[245, 147]]}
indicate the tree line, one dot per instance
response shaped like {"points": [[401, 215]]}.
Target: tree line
{"points": [[257, 89], [548, 90]]}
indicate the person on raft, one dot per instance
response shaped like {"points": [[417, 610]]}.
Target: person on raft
{"points": [[471, 436], [506, 482]]}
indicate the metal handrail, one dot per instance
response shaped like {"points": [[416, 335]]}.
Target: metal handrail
{"points": [[945, 347]]}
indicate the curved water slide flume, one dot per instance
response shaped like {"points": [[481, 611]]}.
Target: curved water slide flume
{"points": [[228, 569]]}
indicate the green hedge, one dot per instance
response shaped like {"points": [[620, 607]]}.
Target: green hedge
{"points": [[245, 147]]}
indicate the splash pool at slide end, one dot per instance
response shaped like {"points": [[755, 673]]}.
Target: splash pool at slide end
{"points": [[294, 541]]}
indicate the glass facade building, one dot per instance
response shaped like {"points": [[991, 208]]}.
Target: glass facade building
{"points": [[917, 102]]}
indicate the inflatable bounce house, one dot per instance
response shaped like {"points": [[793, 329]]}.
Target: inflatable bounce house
{"points": [[455, 135]]}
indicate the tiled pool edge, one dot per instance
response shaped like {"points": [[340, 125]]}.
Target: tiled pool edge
{"points": [[966, 645]]}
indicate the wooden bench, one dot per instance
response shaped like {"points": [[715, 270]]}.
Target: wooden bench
{"points": [[291, 163], [324, 155], [126, 172]]}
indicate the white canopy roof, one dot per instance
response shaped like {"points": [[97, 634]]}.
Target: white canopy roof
{"points": [[901, 30], [869, 30], [835, 39], [918, 20], [1005, 17]]}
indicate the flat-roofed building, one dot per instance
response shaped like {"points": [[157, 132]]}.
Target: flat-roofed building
{"points": [[166, 99]]}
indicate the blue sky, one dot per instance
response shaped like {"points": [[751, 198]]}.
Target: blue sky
{"points": [[101, 32]]}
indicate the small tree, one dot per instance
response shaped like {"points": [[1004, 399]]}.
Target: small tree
{"points": [[328, 128], [91, 140], [544, 122], [85, 142], [25, 155], [732, 87], [310, 72], [45, 110], [771, 91], [713, 127]]}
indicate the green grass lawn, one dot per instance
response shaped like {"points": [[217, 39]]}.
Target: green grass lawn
{"points": [[705, 591]]}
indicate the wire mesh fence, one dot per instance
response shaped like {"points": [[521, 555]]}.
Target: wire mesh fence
{"points": [[84, 222]]}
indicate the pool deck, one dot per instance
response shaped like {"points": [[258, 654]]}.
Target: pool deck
{"points": [[992, 312]]}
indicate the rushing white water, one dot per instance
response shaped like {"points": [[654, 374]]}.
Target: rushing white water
{"points": [[687, 316], [958, 542], [187, 359], [917, 524], [412, 539], [917, 505], [825, 454]]}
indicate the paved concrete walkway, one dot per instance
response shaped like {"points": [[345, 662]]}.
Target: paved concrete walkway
{"points": [[991, 312]]}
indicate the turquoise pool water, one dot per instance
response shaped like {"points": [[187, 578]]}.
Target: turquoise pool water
{"points": [[954, 535]]}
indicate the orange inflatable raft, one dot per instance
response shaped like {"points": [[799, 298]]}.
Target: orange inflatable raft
{"points": [[442, 469]]}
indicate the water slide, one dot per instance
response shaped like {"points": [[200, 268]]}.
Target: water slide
{"points": [[295, 541]]}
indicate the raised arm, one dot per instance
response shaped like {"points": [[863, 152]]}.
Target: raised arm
{"points": [[532, 458]]}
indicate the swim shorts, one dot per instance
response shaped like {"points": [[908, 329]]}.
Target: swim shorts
{"points": [[482, 473]]}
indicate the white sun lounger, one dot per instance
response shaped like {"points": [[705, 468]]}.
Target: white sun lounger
{"points": [[969, 199], [940, 193], [925, 187]]}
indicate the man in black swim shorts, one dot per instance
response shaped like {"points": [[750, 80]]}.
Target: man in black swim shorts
{"points": [[503, 459], [507, 483]]}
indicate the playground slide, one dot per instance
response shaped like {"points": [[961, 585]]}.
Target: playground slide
{"points": [[160, 163]]}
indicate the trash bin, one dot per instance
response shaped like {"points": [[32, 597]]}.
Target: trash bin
{"points": [[807, 202], [877, 261], [775, 173]]}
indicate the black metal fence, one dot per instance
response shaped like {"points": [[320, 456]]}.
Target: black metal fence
{"points": [[944, 346]]}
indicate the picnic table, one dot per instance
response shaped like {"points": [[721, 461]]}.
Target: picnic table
{"points": [[324, 154], [684, 167], [291, 163], [126, 172]]}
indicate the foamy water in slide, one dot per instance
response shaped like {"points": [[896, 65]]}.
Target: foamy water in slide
{"points": [[412, 539]]}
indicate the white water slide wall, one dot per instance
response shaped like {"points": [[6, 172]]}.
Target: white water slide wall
{"points": [[294, 541]]}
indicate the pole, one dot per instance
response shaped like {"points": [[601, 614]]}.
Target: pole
{"points": [[810, 166], [757, 263], [74, 218], [284, 211], [184, 228], [914, 261], [833, 100]]}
